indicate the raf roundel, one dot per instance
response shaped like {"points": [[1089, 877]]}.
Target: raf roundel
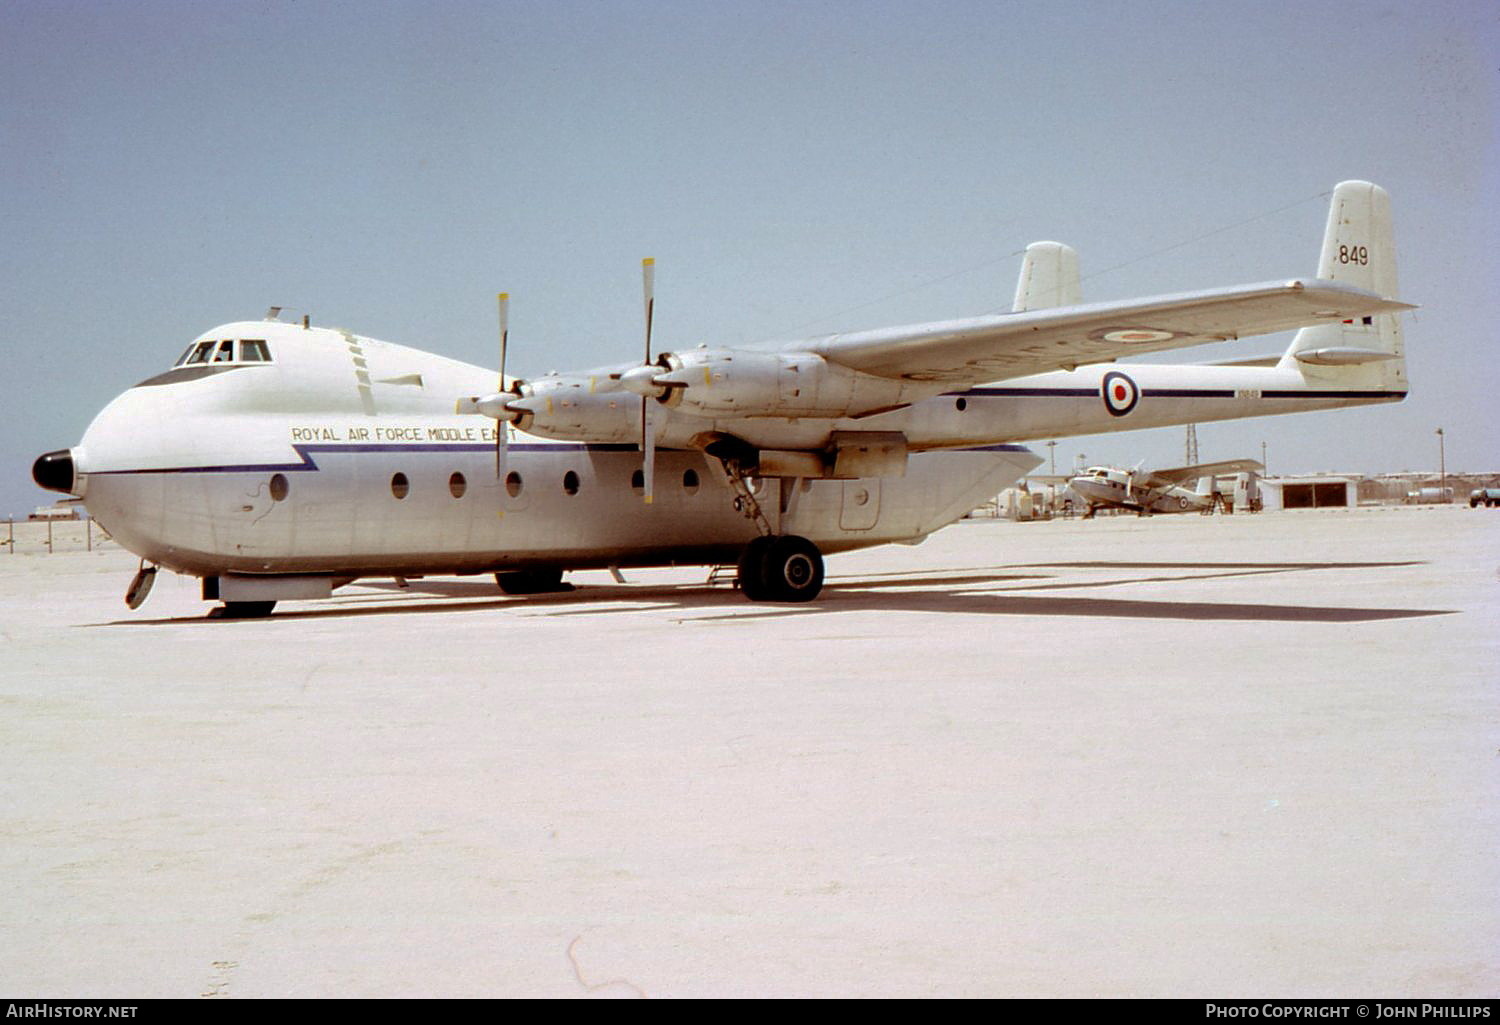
{"points": [[1138, 336], [1120, 393]]}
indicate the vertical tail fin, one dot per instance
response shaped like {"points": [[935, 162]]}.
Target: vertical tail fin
{"points": [[1359, 249], [1049, 278]]}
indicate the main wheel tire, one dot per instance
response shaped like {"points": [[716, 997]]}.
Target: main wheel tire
{"points": [[793, 569], [242, 610], [752, 569], [531, 581]]}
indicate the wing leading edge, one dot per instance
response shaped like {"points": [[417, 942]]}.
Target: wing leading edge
{"points": [[1184, 474], [1008, 345]]}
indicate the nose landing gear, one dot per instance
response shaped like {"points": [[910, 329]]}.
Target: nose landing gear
{"points": [[140, 586]]}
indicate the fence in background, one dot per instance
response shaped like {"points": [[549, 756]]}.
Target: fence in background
{"points": [[46, 537]]}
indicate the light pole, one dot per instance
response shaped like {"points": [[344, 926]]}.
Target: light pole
{"points": [[1052, 455], [1442, 466]]}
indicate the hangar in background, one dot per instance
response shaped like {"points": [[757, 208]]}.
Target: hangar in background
{"points": [[1322, 492]]}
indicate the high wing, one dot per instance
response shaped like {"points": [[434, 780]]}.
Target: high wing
{"points": [[1008, 345], [1182, 474]]}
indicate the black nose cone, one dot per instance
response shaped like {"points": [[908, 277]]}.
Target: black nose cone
{"points": [[54, 471]]}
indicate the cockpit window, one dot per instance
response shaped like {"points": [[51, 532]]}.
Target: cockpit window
{"points": [[251, 350], [201, 353]]}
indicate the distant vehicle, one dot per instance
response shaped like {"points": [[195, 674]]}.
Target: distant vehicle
{"points": [[1157, 491], [1488, 497], [52, 512]]}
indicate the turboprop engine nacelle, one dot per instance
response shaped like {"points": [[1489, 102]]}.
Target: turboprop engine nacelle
{"points": [[732, 382], [590, 407], [573, 407]]}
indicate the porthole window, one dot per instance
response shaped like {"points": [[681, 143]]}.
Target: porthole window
{"points": [[400, 486], [513, 484], [570, 482], [690, 481], [638, 480], [962, 404], [279, 488], [457, 485]]}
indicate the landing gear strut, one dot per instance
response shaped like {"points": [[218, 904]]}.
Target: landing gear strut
{"points": [[772, 567]]}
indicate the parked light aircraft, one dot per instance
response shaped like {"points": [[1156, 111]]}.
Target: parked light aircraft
{"points": [[1156, 490], [279, 461]]}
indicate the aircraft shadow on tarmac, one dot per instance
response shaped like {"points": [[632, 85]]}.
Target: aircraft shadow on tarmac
{"points": [[990, 591]]}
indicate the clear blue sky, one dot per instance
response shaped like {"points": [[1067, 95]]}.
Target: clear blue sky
{"points": [[793, 167]]}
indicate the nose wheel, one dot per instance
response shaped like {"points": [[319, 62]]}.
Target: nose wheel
{"points": [[786, 568]]}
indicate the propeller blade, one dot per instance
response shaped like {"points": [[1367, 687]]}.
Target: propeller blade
{"points": [[648, 445], [648, 403], [648, 292], [502, 427]]}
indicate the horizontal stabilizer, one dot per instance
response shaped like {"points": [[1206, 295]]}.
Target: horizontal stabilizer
{"points": [[1342, 356]]}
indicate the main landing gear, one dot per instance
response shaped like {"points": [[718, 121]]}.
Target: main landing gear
{"points": [[242, 610], [772, 567], [784, 568], [532, 581]]}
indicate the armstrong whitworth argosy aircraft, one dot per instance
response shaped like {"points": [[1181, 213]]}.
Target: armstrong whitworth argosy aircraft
{"points": [[279, 461]]}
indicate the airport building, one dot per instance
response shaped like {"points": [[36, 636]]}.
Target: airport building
{"points": [[1315, 492]]}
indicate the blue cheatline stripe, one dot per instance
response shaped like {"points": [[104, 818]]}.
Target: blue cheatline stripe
{"points": [[308, 463], [1170, 393], [1086, 393], [1187, 393], [1333, 394]]}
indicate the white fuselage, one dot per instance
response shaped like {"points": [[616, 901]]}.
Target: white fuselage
{"points": [[182, 468]]}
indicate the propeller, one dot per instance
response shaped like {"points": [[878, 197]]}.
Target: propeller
{"points": [[648, 381], [498, 406]]}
